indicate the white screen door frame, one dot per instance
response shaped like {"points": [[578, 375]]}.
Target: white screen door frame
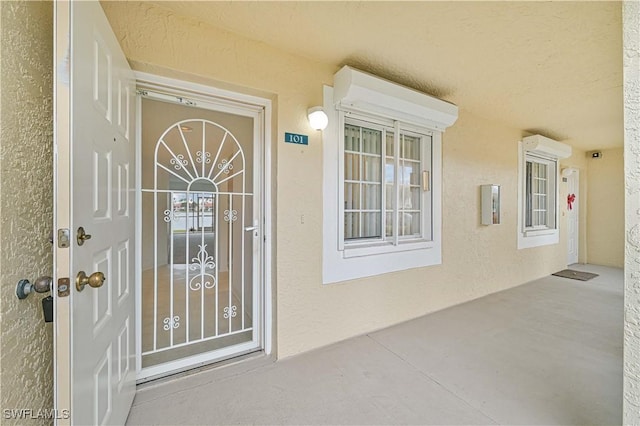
{"points": [[168, 89]]}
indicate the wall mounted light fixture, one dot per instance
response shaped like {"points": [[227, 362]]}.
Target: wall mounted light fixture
{"points": [[317, 118], [567, 171]]}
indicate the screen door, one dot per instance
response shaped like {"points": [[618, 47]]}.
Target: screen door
{"points": [[200, 216]]}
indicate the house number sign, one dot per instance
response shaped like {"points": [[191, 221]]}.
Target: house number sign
{"points": [[296, 138]]}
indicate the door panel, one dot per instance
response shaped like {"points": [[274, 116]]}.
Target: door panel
{"points": [[573, 182], [95, 368]]}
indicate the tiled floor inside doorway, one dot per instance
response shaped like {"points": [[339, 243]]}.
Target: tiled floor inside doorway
{"points": [[547, 352]]}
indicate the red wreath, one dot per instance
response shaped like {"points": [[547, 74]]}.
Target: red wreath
{"points": [[570, 199]]}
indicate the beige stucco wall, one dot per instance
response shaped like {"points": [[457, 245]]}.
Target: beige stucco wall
{"points": [[26, 114], [606, 209], [631, 25], [477, 260]]}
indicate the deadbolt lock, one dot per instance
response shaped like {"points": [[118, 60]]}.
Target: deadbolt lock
{"points": [[94, 280], [81, 236]]}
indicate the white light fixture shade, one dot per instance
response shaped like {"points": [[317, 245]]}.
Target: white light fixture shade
{"points": [[568, 171], [317, 118]]}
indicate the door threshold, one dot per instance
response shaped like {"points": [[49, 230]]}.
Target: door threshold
{"points": [[194, 377]]}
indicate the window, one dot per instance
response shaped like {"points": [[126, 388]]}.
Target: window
{"points": [[538, 190], [386, 185], [382, 177]]}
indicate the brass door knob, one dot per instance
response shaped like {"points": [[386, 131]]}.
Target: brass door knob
{"points": [[94, 280]]}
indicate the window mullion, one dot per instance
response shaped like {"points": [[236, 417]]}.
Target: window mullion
{"points": [[396, 183]]}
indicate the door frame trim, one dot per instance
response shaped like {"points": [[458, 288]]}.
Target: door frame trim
{"points": [[221, 96], [62, 212]]}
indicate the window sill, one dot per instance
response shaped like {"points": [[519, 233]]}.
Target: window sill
{"points": [[530, 239], [384, 248], [537, 232]]}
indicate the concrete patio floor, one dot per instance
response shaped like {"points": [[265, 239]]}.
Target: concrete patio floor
{"points": [[546, 352]]}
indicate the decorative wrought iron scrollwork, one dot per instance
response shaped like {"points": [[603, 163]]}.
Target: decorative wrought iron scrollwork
{"points": [[203, 156], [170, 323], [225, 167], [230, 215], [204, 264], [178, 161], [230, 311]]}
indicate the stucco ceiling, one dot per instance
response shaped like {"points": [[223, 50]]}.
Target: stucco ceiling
{"points": [[553, 68]]}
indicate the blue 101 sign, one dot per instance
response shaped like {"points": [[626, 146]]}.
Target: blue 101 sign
{"points": [[296, 138]]}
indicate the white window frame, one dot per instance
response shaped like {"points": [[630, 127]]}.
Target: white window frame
{"points": [[344, 261], [529, 237], [384, 244]]}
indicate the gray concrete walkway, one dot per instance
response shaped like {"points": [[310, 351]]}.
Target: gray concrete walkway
{"points": [[547, 352]]}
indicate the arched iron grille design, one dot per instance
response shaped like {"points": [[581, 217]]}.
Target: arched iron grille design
{"points": [[199, 199]]}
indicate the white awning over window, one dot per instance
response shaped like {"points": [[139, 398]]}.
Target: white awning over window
{"points": [[539, 144], [359, 91]]}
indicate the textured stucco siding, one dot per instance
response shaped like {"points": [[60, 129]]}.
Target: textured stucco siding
{"points": [[632, 207], [477, 260], [26, 201]]}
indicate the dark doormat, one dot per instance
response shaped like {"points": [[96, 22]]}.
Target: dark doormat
{"points": [[575, 275]]}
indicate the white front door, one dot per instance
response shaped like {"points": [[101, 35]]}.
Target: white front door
{"points": [[94, 171], [573, 187]]}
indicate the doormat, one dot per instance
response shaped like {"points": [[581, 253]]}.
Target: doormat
{"points": [[575, 275]]}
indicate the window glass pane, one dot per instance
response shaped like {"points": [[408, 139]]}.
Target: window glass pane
{"points": [[371, 165], [389, 179], [415, 198], [410, 147], [371, 224], [411, 172], [389, 146], [351, 196], [390, 190], [371, 141], [363, 182], [351, 166], [409, 186], [371, 197], [351, 138], [351, 225], [542, 171], [409, 223]]}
